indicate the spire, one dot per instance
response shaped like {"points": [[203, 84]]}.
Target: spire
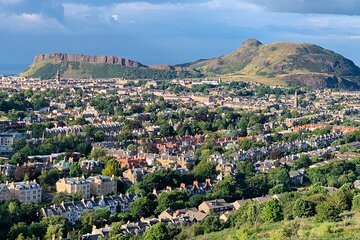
{"points": [[296, 100]]}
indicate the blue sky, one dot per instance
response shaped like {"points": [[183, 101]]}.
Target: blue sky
{"points": [[161, 31]]}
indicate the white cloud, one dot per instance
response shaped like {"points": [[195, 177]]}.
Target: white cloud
{"points": [[26, 22]]}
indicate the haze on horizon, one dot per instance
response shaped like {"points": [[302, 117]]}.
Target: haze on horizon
{"points": [[171, 32]]}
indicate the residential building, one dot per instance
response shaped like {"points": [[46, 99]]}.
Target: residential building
{"points": [[5, 193], [73, 210], [7, 139], [70, 186], [102, 185], [26, 192], [217, 206]]}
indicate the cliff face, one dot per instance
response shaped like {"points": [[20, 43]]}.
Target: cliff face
{"points": [[61, 57]]}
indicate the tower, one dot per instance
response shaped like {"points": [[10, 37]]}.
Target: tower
{"points": [[58, 76], [296, 100]]}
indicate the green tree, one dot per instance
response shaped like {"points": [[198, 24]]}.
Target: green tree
{"points": [[159, 231], [75, 170], [356, 203], [50, 177], [142, 207], [97, 153], [303, 208], [99, 136], [227, 189], [272, 211], [166, 130], [111, 168], [204, 170], [18, 158], [212, 223], [342, 199], [173, 199], [327, 211], [303, 161], [278, 176]]}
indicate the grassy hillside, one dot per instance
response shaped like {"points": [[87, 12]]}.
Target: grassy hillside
{"points": [[48, 70], [299, 229], [293, 63]]}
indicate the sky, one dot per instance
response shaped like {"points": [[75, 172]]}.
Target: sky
{"points": [[171, 32]]}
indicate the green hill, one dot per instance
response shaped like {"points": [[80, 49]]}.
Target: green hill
{"points": [[90, 70], [297, 64], [82, 66]]}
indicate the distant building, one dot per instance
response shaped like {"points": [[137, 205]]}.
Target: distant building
{"points": [[26, 192], [70, 186], [73, 210], [7, 140], [296, 177], [91, 167], [102, 185], [217, 206], [5, 193]]}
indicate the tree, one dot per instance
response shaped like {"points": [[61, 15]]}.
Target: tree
{"points": [[142, 207], [97, 153], [18, 158], [278, 176], [356, 203], [173, 199], [303, 161], [303, 208], [227, 189], [159, 231], [256, 186], [272, 211], [17, 229], [280, 188], [75, 170], [204, 170], [166, 130], [99, 136], [50, 177], [111, 168], [101, 216], [212, 223], [342, 199], [327, 211]]}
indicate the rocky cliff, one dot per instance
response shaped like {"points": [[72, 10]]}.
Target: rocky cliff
{"points": [[80, 58]]}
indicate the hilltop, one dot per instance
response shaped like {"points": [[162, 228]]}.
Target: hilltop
{"points": [[293, 63]]}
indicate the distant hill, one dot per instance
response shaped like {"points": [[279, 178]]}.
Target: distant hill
{"points": [[282, 63], [296, 64], [45, 66]]}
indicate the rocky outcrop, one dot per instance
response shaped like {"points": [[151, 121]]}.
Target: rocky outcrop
{"points": [[61, 57]]}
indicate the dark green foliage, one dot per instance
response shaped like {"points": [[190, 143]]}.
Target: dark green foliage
{"points": [[160, 231], [356, 203], [204, 170], [272, 211], [335, 174], [303, 208], [227, 189], [173, 200], [212, 223], [142, 207], [327, 211]]}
